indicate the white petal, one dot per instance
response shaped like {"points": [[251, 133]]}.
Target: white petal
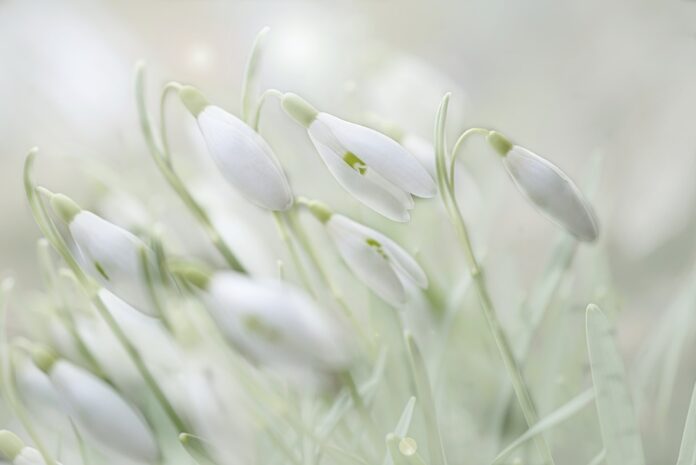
{"points": [[401, 259], [30, 456], [422, 150], [552, 191], [389, 202], [245, 159], [112, 256], [274, 322], [103, 414], [382, 154], [368, 265]]}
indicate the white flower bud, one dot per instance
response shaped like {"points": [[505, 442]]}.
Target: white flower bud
{"points": [[547, 187], [379, 262], [13, 448], [244, 158], [372, 167], [273, 322], [111, 254], [99, 410]]}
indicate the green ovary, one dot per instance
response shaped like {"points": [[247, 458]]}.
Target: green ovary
{"points": [[355, 162]]}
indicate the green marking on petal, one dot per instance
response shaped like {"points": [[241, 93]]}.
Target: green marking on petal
{"points": [[101, 270], [375, 244], [355, 162], [257, 326]]}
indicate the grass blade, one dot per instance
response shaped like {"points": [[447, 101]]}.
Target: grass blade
{"points": [[558, 416], [687, 452], [617, 421]]}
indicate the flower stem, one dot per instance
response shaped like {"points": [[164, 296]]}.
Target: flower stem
{"points": [[163, 161], [504, 348], [250, 73], [285, 236]]}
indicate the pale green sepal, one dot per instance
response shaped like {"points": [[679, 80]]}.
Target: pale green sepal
{"points": [[320, 210], [193, 99], [10, 445], [499, 142], [44, 357], [192, 273], [299, 109], [65, 207]]}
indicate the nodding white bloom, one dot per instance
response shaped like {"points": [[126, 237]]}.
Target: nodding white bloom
{"points": [[372, 167], [272, 322], [13, 449], [98, 409], [242, 155], [379, 262], [112, 255], [547, 187]]}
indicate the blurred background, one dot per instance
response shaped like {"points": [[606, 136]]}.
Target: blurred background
{"points": [[573, 81]]}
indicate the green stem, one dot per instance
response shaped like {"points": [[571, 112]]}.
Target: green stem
{"points": [[257, 112], [457, 146], [163, 162], [250, 73], [8, 381], [504, 348], [284, 232], [298, 230]]}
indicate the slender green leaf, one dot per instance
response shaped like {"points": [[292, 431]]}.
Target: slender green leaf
{"points": [[617, 421], [687, 452], [564, 412], [404, 423]]}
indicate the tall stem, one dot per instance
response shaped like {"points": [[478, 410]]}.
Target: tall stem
{"points": [[163, 161], [512, 367]]}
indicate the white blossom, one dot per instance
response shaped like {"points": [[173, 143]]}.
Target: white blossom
{"points": [[549, 188], [101, 412], [376, 260], [274, 323], [372, 167], [111, 254], [244, 158], [14, 449]]}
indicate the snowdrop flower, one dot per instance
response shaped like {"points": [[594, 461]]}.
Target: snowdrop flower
{"points": [[111, 254], [13, 449], [242, 155], [379, 262], [271, 321], [98, 409], [372, 167], [547, 187]]}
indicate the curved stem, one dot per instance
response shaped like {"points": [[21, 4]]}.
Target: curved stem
{"points": [[512, 367], [250, 72], [162, 160], [257, 111], [457, 146], [168, 88]]}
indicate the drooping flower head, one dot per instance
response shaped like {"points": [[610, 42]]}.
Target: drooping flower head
{"points": [[111, 254], [98, 409], [376, 260], [272, 322], [547, 187], [244, 158], [372, 167]]}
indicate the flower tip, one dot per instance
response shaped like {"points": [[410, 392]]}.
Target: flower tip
{"points": [[320, 210], [44, 357], [193, 99], [298, 108], [10, 445], [499, 142], [192, 273], [65, 207]]}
